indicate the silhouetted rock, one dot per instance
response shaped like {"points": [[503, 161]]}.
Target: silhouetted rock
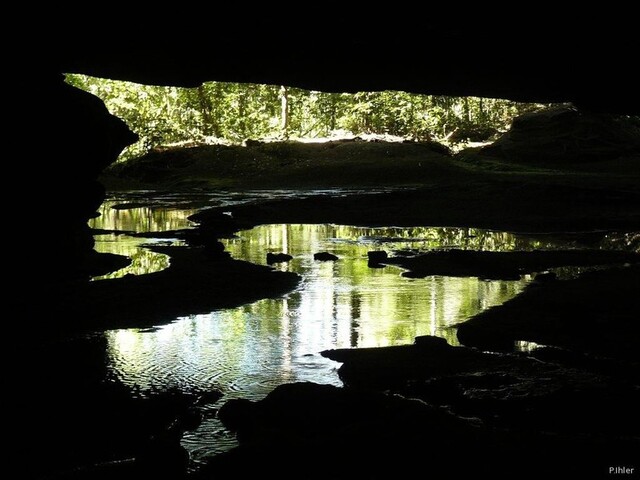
{"points": [[545, 277], [434, 343], [196, 281], [595, 313], [190, 419], [516, 392], [563, 135], [163, 457], [375, 258], [218, 225], [76, 126], [325, 257], [278, 258], [214, 250], [236, 413], [504, 265], [209, 397], [390, 367], [312, 423], [371, 264]]}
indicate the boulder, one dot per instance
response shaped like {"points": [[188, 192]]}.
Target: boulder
{"points": [[567, 135], [325, 257], [377, 256], [273, 258]]}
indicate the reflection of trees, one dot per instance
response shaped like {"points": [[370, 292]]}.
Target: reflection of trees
{"points": [[143, 261], [347, 304], [254, 347], [142, 219]]}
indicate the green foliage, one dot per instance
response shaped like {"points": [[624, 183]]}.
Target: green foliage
{"points": [[218, 112]]}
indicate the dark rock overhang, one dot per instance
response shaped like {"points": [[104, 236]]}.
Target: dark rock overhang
{"points": [[528, 56]]}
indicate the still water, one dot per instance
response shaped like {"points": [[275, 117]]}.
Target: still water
{"points": [[247, 351]]}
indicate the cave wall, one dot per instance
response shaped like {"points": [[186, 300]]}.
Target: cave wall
{"points": [[76, 139]]}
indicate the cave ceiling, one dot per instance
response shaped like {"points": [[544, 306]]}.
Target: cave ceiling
{"points": [[586, 58]]}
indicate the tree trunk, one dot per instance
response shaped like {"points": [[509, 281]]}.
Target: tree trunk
{"points": [[208, 127], [467, 110], [284, 111]]}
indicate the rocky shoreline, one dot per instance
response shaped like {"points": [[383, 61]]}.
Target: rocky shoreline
{"points": [[565, 405]]}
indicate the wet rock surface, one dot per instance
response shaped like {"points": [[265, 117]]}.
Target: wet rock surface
{"points": [[552, 392], [502, 203], [278, 258], [504, 265], [595, 313], [199, 279], [325, 257], [331, 432]]}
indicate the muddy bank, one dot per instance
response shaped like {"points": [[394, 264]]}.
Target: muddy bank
{"points": [[198, 280], [339, 163], [596, 313]]}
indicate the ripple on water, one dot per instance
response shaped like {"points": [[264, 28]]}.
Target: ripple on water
{"points": [[247, 351]]}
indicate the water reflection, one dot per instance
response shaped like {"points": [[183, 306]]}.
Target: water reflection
{"points": [[374, 307], [247, 351], [143, 260], [340, 304], [138, 219]]}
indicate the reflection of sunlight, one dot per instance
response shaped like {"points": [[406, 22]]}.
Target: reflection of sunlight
{"points": [[126, 341], [433, 321], [525, 346]]}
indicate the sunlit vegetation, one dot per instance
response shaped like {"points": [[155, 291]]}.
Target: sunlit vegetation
{"points": [[218, 112]]}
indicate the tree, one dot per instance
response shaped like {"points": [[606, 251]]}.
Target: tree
{"points": [[233, 112]]}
